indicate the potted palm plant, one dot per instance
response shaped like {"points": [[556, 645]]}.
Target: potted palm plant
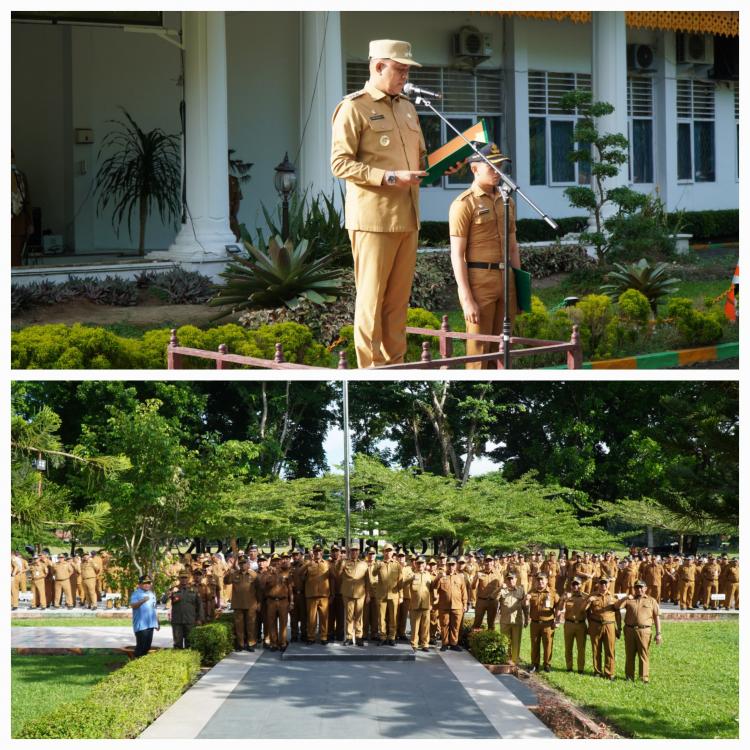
{"points": [[141, 173]]}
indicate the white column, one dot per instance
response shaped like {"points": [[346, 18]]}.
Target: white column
{"points": [[322, 58], [609, 74], [206, 232], [665, 119]]}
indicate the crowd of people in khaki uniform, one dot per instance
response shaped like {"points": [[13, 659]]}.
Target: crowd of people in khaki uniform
{"points": [[326, 596]]}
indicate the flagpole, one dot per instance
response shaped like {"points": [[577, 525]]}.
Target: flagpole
{"points": [[347, 488]]}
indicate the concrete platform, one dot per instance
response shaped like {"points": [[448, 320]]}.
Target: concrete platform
{"points": [[88, 637], [337, 652]]}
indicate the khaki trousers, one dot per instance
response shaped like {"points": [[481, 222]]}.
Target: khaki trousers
{"points": [[277, 615], [490, 607], [23, 582], [434, 624], [401, 619], [637, 642], [542, 637], [63, 587], [383, 272], [655, 591], [603, 640], [371, 619], [450, 625], [575, 632], [354, 608], [731, 591], [14, 587], [387, 608], [336, 619], [420, 627], [686, 593], [487, 290], [317, 614], [89, 592], [299, 618], [710, 587], [513, 633], [244, 627], [39, 593]]}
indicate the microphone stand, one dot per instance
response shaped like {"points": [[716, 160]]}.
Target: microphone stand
{"points": [[507, 189]]}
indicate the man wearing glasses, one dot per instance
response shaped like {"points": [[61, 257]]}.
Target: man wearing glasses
{"points": [[379, 149]]}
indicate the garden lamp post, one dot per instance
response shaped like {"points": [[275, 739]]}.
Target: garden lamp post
{"points": [[284, 181]]}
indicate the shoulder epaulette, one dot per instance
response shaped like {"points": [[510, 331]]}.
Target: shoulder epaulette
{"points": [[355, 94]]}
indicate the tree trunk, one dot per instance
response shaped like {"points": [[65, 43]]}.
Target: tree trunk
{"points": [[142, 216]]}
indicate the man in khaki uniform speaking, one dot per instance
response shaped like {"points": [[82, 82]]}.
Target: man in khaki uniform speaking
{"points": [[475, 223], [378, 148], [353, 588]]}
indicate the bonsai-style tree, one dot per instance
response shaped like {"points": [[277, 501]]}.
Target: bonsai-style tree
{"points": [[142, 172], [605, 153]]}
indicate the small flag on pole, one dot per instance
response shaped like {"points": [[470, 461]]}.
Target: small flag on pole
{"points": [[731, 306]]}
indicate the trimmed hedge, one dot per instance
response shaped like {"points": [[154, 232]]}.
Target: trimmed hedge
{"points": [[435, 233], [488, 646], [712, 226], [124, 703], [212, 641]]}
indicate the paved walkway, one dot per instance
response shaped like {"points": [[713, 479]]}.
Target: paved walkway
{"points": [[436, 696], [110, 636]]}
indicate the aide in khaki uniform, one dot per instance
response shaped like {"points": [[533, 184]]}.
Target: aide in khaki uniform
{"points": [[371, 616], [336, 613], [15, 576], [418, 583], [551, 567], [299, 612], [608, 569], [402, 616], [353, 586], [710, 580], [652, 573], [453, 600], [605, 626], [246, 598], [476, 225], [686, 583], [318, 586], [542, 603], [641, 612], [513, 614], [277, 589], [63, 571], [385, 577], [573, 608], [486, 587], [38, 570], [730, 584], [378, 148], [186, 610], [88, 581], [208, 590], [432, 569]]}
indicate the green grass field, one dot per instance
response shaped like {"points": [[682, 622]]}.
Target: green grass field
{"points": [[693, 690], [41, 683], [75, 622]]}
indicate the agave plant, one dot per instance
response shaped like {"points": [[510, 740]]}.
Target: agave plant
{"points": [[284, 275], [142, 172], [654, 282]]}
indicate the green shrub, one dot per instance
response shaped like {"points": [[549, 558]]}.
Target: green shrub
{"points": [[124, 703], [434, 286], [654, 280], [711, 226], [696, 328], [593, 315], [488, 646], [634, 307], [213, 641], [555, 258], [59, 346], [435, 233], [463, 636]]}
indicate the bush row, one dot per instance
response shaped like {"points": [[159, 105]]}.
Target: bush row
{"points": [[124, 703], [214, 640], [488, 646], [712, 226]]}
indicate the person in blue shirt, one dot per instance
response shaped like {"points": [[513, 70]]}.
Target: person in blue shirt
{"points": [[145, 621]]}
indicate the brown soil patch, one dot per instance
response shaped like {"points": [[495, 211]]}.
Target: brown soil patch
{"points": [[150, 313]]}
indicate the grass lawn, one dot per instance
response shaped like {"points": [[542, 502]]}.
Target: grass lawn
{"points": [[41, 683], [75, 622], [693, 690]]}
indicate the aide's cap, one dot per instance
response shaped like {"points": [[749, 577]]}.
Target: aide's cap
{"points": [[443, 557], [261, 558], [296, 552], [335, 547], [274, 556], [462, 559], [420, 560], [575, 580], [642, 584], [510, 574], [392, 49], [488, 558], [602, 580], [489, 150], [451, 561], [317, 547], [432, 561], [371, 551], [470, 554], [401, 554], [144, 579], [542, 574], [253, 546], [388, 547]]}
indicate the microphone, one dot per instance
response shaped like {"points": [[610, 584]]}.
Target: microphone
{"points": [[410, 88]]}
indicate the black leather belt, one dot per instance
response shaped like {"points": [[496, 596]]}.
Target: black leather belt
{"points": [[639, 627], [486, 266], [544, 622], [577, 622]]}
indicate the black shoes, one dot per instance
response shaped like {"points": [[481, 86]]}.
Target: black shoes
{"points": [[251, 649], [443, 648], [274, 648], [455, 648], [324, 643], [546, 668], [359, 643], [309, 643], [425, 649], [347, 642]]}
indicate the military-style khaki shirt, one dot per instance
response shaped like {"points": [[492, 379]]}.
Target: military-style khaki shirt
{"points": [[187, 607], [604, 609], [640, 611], [317, 577], [542, 605], [63, 571], [487, 585], [511, 605], [245, 590], [88, 571], [38, 570], [710, 573], [278, 585], [479, 217], [419, 586], [353, 579], [451, 591], [385, 578], [574, 606], [374, 133]]}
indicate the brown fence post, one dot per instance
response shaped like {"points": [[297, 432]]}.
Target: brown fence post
{"points": [[173, 360], [220, 362], [446, 343], [426, 357], [278, 357], [575, 357], [343, 364]]}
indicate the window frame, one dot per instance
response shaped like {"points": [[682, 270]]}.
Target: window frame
{"points": [[648, 118], [690, 121]]}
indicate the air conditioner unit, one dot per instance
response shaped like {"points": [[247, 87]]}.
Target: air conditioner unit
{"points": [[697, 49], [641, 57], [470, 43]]}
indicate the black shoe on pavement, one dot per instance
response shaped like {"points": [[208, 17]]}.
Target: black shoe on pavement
{"points": [[346, 642], [359, 643], [324, 643], [251, 649], [309, 643], [381, 643], [443, 648], [425, 649], [274, 648], [455, 648]]}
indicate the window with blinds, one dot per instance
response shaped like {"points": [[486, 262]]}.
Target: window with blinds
{"points": [[696, 147], [466, 98], [546, 89], [640, 129]]}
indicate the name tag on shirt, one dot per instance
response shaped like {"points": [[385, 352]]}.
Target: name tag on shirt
{"points": [[481, 211], [377, 117]]}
